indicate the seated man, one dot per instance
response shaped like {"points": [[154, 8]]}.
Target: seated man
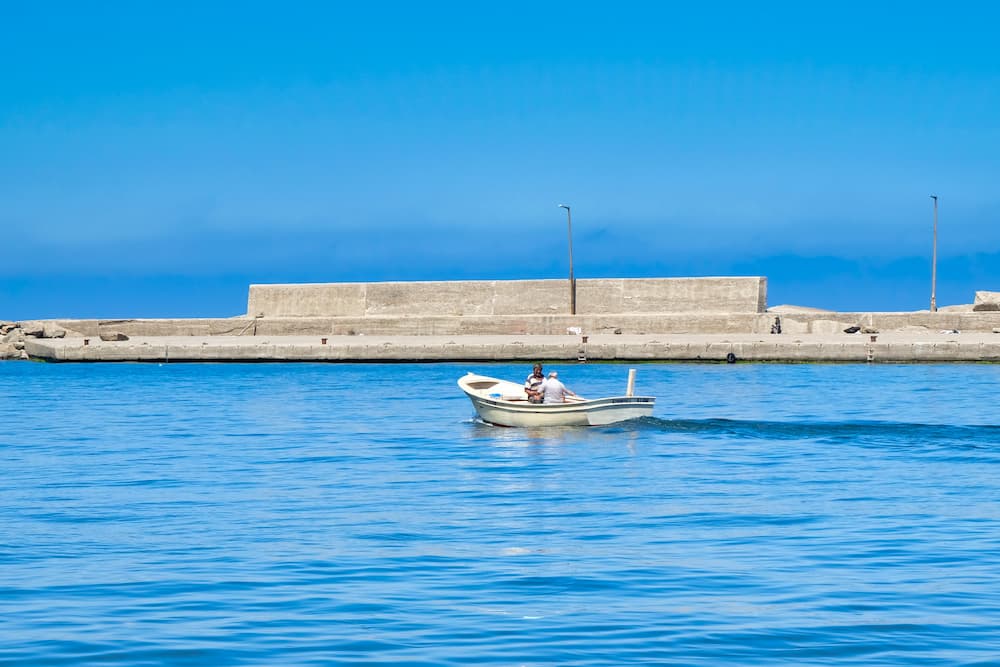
{"points": [[554, 391], [533, 385]]}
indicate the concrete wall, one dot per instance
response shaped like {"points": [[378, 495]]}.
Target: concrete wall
{"points": [[493, 298]]}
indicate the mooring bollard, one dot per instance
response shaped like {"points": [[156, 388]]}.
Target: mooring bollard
{"points": [[322, 341], [86, 341]]}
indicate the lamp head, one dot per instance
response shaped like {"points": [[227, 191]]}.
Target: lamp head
{"points": [[565, 206]]}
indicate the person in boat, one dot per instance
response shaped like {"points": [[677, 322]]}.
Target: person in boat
{"points": [[533, 385], [554, 391]]}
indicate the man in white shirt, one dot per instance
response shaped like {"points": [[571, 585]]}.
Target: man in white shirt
{"points": [[555, 391]]}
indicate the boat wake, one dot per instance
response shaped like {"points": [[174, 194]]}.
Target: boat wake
{"points": [[848, 431]]}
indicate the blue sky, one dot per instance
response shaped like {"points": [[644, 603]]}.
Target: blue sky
{"points": [[156, 158]]}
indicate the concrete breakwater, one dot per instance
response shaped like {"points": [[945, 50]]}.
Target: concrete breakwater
{"points": [[894, 347], [681, 319]]}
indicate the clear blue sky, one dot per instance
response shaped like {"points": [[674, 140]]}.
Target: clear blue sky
{"points": [[156, 158]]}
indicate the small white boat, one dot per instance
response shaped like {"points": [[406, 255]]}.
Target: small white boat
{"points": [[505, 404]]}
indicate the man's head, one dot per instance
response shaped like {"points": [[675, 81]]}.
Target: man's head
{"points": [[537, 370], [553, 374]]}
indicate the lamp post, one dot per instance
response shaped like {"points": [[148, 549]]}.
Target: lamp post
{"points": [[572, 282], [934, 260]]}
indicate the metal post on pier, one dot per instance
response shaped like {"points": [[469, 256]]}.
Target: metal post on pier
{"points": [[934, 259], [572, 281]]}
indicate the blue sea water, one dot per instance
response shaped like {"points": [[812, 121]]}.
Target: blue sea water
{"points": [[300, 514]]}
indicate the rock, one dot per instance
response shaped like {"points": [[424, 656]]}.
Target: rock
{"points": [[13, 336], [18, 344], [962, 308], [986, 302], [852, 330], [869, 330], [987, 297], [34, 329], [7, 327], [110, 336], [52, 331], [13, 351]]}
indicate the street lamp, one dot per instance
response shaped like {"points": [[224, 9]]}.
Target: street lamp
{"points": [[572, 282], [934, 261]]}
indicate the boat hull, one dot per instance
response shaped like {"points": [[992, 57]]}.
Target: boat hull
{"points": [[501, 403]]}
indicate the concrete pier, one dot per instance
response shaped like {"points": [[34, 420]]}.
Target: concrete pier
{"points": [[657, 319], [893, 347]]}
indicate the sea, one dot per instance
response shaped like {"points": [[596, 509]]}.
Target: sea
{"points": [[359, 514]]}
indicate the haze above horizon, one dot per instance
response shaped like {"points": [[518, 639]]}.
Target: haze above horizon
{"points": [[156, 160]]}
